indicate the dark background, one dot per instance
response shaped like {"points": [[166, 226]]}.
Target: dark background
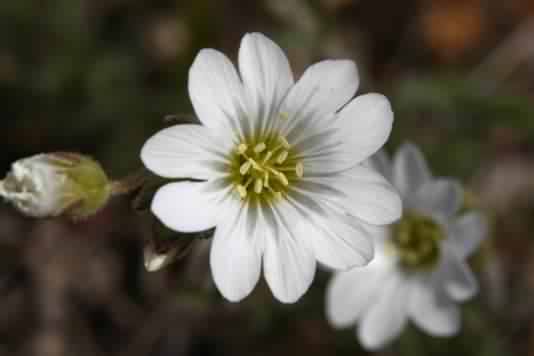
{"points": [[98, 77]]}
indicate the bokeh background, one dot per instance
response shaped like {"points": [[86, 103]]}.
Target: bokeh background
{"points": [[99, 76]]}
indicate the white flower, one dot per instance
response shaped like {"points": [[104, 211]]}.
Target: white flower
{"points": [[419, 271], [279, 164], [52, 184]]}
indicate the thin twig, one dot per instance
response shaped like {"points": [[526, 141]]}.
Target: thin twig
{"points": [[129, 183]]}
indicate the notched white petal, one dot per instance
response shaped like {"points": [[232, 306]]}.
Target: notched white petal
{"points": [[460, 282], [366, 123], [216, 92], [359, 191], [266, 75], [288, 263], [185, 207], [371, 197], [385, 320], [433, 311], [342, 244], [441, 198], [350, 294], [184, 151], [322, 90], [236, 251], [339, 241], [381, 163], [410, 169], [467, 232]]}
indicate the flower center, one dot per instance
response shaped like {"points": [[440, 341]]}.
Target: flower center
{"points": [[265, 168], [416, 239]]}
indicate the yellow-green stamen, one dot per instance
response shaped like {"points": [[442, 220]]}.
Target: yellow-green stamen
{"points": [[416, 239], [264, 168]]}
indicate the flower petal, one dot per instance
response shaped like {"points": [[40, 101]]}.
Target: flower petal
{"points": [[386, 318], [340, 244], [350, 293], [366, 124], [323, 89], [370, 196], [467, 232], [185, 207], [235, 256], [460, 283], [321, 152], [441, 198], [339, 241], [432, 311], [359, 191], [381, 163], [216, 91], [410, 170], [288, 262], [266, 75], [183, 151]]}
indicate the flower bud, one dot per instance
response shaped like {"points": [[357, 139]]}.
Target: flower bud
{"points": [[154, 260], [54, 184], [160, 254]]}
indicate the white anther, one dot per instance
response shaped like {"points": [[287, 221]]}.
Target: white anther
{"points": [[282, 177], [242, 148], [282, 157], [299, 169], [255, 165], [245, 167], [267, 157], [266, 180], [260, 147], [258, 186], [247, 183], [284, 142], [241, 190]]}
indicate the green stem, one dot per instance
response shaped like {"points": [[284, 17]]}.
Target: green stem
{"points": [[130, 183]]}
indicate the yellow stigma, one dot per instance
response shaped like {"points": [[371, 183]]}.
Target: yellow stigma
{"points": [[264, 169]]}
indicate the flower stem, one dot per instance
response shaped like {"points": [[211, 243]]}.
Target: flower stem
{"points": [[130, 183]]}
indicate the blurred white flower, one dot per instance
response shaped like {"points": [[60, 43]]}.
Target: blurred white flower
{"points": [[52, 184], [419, 271], [279, 164]]}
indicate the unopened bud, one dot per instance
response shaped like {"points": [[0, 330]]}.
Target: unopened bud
{"points": [[155, 261], [158, 257], [54, 184]]}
